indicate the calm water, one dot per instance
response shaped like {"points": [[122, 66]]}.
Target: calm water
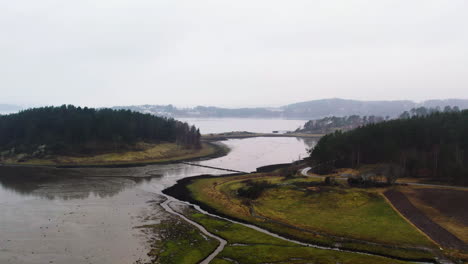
{"points": [[89, 215], [219, 125]]}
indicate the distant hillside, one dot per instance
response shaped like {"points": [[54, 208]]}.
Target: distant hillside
{"points": [[304, 110], [331, 124], [461, 103], [202, 111], [342, 107]]}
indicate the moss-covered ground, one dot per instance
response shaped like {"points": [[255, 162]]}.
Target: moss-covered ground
{"points": [[248, 246], [146, 154]]}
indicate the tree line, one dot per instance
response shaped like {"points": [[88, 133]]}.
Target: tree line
{"points": [[333, 123], [423, 111], [67, 126], [422, 145]]}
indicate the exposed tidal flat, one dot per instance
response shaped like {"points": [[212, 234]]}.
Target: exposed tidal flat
{"points": [[93, 215]]}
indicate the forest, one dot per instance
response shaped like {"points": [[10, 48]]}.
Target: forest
{"points": [[330, 124], [432, 146], [333, 123], [67, 128]]}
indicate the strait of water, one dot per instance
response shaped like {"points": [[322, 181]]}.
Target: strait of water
{"points": [[90, 215], [219, 125]]}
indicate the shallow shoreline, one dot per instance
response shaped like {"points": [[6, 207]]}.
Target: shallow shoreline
{"points": [[241, 135]]}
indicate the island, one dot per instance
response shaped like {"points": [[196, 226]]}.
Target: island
{"points": [[69, 136]]}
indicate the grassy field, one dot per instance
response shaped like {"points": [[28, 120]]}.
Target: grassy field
{"points": [[148, 153], [249, 246], [349, 213], [326, 215]]}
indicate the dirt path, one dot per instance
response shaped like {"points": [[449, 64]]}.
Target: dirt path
{"points": [[222, 243], [424, 223]]}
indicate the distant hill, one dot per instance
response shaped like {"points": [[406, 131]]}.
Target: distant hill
{"points": [[331, 124], [343, 107], [303, 110], [461, 103]]}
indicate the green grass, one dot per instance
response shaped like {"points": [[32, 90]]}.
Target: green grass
{"points": [[248, 246], [180, 243], [353, 213], [350, 213], [236, 233], [253, 254], [148, 154]]}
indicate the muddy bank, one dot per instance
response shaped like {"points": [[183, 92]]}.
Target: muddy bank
{"points": [[450, 202], [419, 219], [74, 221]]}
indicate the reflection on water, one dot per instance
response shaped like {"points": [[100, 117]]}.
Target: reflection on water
{"points": [[53, 183], [249, 154], [309, 142], [50, 215], [66, 188]]}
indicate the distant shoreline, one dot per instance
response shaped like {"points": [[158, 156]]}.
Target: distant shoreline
{"points": [[244, 134]]}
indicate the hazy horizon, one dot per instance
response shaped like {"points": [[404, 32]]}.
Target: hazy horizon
{"points": [[221, 106], [237, 54]]}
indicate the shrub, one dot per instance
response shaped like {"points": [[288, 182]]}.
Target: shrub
{"points": [[254, 189], [363, 182]]}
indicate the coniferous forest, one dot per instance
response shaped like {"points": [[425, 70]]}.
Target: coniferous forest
{"points": [[74, 128], [434, 146]]}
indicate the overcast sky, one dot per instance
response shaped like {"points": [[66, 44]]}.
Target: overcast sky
{"points": [[231, 53]]}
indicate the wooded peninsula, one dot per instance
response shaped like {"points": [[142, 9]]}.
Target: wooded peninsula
{"points": [[74, 135], [429, 146]]}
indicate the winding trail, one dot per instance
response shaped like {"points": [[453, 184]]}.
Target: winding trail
{"points": [[305, 171], [222, 243]]}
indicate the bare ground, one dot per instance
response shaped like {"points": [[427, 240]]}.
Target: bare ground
{"points": [[424, 223]]}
